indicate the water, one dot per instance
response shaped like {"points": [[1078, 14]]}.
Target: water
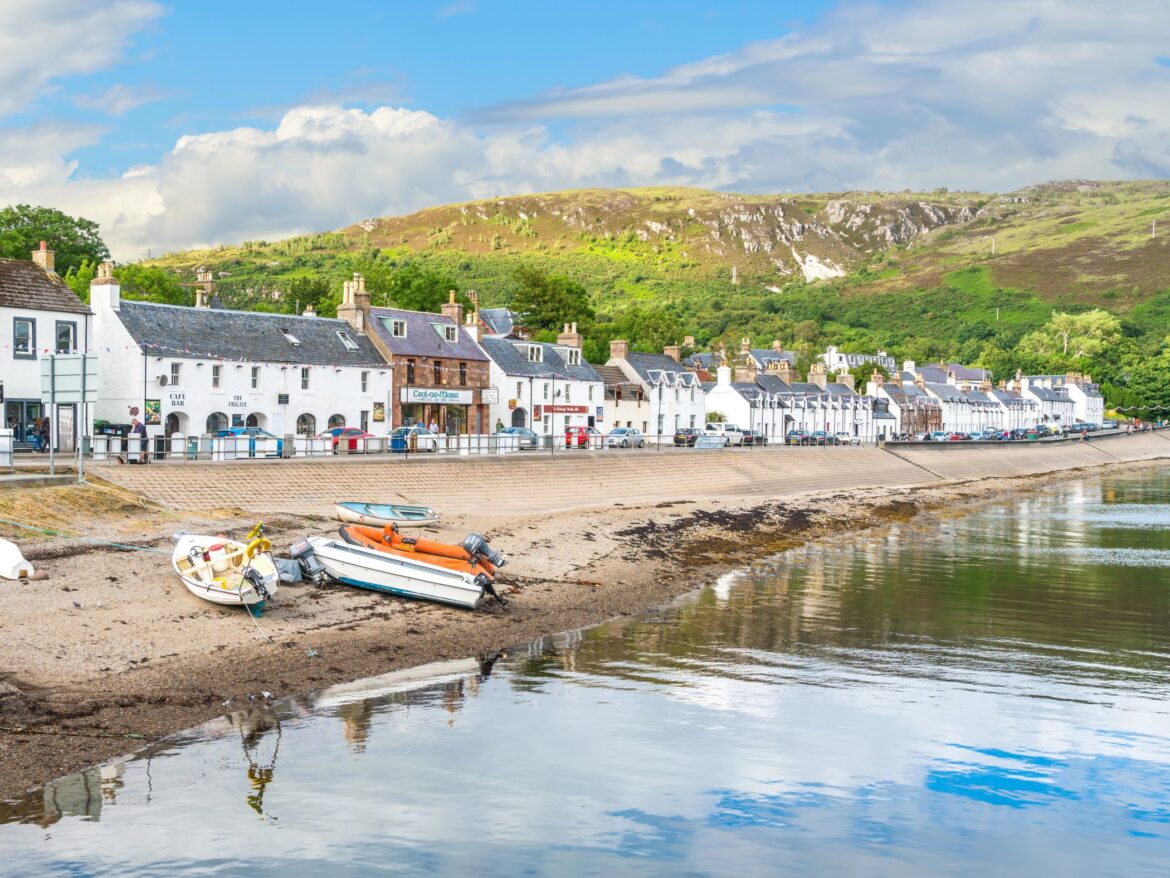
{"points": [[985, 693]]}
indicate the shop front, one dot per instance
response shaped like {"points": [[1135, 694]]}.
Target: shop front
{"points": [[21, 417], [452, 411], [560, 417]]}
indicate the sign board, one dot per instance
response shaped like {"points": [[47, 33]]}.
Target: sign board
{"points": [[436, 395], [537, 412], [282, 399], [62, 378], [512, 404], [379, 411], [566, 409], [489, 396], [153, 412]]}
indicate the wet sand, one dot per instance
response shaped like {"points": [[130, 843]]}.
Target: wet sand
{"points": [[111, 650]]}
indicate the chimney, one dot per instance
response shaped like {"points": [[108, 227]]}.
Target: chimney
{"points": [[673, 351], [619, 349], [845, 378], [745, 346], [777, 346], [723, 375], [784, 371], [355, 302], [876, 379], [453, 309], [909, 366], [201, 298], [569, 336], [817, 375], [473, 327], [689, 341], [746, 371], [104, 292], [44, 258], [309, 311], [920, 382]]}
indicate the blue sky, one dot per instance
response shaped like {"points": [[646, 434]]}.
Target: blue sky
{"points": [[180, 124]]}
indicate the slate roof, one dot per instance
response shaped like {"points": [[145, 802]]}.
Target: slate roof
{"points": [[840, 389], [772, 384], [422, 338], [703, 361], [933, 374], [511, 356], [499, 321], [613, 376], [645, 364], [961, 372], [24, 285], [1010, 397], [763, 356], [1047, 395], [248, 336]]}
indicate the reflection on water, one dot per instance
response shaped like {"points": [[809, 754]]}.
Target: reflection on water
{"points": [[978, 692]]}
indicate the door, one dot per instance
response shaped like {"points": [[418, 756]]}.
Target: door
{"points": [[66, 428]]}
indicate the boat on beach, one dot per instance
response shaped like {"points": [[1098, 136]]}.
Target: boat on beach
{"points": [[226, 571], [382, 514], [381, 559]]}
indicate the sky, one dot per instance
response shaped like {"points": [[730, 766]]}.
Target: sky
{"points": [[181, 124]]}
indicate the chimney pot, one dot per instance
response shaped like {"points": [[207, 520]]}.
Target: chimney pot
{"points": [[44, 258], [619, 349], [673, 351]]}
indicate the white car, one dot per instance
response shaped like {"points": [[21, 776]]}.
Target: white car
{"points": [[844, 437], [416, 438], [625, 437], [731, 434]]}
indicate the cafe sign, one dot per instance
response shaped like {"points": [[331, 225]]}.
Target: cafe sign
{"points": [[566, 409], [436, 395]]}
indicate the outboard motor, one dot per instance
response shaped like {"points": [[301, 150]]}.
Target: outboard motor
{"points": [[477, 547], [302, 552]]}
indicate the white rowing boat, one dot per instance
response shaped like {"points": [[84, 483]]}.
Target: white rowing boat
{"points": [[226, 571], [382, 514]]}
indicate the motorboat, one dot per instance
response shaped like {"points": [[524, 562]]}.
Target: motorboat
{"points": [[381, 559], [13, 564], [226, 571], [382, 514]]}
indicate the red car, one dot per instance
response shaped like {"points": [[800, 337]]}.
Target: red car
{"points": [[348, 438], [578, 437]]}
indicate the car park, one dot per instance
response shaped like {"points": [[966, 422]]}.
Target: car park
{"points": [[413, 438], [797, 437], [846, 438], [731, 434], [525, 437], [625, 437], [345, 438], [254, 433], [687, 436]]}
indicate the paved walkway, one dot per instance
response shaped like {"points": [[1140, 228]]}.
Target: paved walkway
{"points": [[521, 483]]}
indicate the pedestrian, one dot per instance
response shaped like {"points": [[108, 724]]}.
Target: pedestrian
{"points": [[499, 425], [434, 426], [46, 436], [34, 434], [137, 428]]}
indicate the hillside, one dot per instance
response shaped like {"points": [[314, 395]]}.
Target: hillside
{"points": [[922, 274]]}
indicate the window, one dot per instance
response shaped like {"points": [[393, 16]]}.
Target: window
{"points": [[692, 421], [217, 421], [410, 371], [336, 421], [547, 423], [568, 392], [398, 328], [591, 393], [306, 425], [462, 374], [176, 372], [24, 338], [289, 337], [365, 382], [304, 377], [216, 375], [519, 389], [255, 377], [546, 390], [574, 357], [66, 337], [644, 427], [450, 333], [437, 371], [535, 354], [350, 344]]}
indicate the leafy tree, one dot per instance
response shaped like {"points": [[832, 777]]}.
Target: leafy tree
{"points": [[412, 286], [74, 240], [78, 279], [146, 283], [1071, 336], [550, 301]]}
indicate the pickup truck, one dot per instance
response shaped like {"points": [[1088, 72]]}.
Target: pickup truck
{"points": [[731, 434]]}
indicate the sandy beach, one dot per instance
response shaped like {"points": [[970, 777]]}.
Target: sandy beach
{"points": [[111, 650]]}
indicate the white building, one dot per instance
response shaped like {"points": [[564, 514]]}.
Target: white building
{"points": [[747, 405], [39, 316], [672, 394], [1056, 407], [191, 371], [836, 360], [1088, 403], [546, 387]]}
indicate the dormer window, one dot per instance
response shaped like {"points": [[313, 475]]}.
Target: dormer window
{"points": [[535, 354], [397, 328], [347, 340], [450, 333], [574, 357], [289, 337]]}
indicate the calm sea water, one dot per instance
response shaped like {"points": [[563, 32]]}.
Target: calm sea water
{"points": [[987, 694]]}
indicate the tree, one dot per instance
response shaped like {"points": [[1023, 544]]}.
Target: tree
{"points": [[74, 239], [151, 284], [412, 286], [550, 301], [78, 279], [1071, 336]]}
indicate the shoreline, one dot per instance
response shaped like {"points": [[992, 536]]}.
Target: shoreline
{"points": [[141, 657]]}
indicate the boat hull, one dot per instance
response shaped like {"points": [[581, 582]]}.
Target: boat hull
{"points": [[382, 514], [379, 571], [209, 585]]}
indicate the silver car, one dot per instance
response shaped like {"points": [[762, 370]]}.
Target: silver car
{"points": [[625, 437]]}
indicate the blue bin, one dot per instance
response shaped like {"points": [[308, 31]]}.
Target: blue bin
{"points": [[398, 443]]}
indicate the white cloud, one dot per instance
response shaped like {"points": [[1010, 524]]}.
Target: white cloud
{"points": [[993, 96], [45, 40], [120, 99]]}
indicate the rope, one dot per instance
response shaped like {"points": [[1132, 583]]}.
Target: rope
{"points": [[71, 536], [134, 736]]}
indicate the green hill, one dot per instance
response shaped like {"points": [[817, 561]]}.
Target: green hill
{"points": [[957, 275]]}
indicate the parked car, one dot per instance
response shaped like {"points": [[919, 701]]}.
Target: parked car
{"points": [[797, 437], [940, 436], [822, 437], [754, 437], [253, 433], [526, 438], [844, 437], [687, 436], [345, 438], [413, 438], [959, 437], [578, 437], [625, 437], [731, 434]]}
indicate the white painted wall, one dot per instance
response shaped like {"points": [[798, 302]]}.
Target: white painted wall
{"points": [[530, 392]]}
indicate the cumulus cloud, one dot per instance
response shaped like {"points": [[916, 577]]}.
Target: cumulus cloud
{"points": [[46, 40], [918, 94]]}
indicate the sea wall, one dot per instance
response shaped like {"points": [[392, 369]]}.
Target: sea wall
{"points": [[535, 483]]}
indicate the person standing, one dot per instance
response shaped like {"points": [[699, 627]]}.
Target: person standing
{"points": [[46, 435], [434, 426], [34, 434], [137, 428]]}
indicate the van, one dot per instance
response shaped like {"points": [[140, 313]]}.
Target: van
{"points": [[731, 434]]}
